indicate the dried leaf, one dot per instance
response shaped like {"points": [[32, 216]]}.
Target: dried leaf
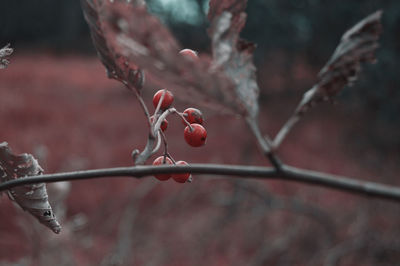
{"points": [[117, 66], [357, 46], [31, 198], [141, 40], [232, 54], [4, 53], [235, 7]]}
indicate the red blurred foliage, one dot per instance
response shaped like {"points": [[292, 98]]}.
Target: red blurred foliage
{"points": [[65, 111]]}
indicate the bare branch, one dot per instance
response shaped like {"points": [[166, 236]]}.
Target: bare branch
{"points": [[264, 142], [287, 127], [147, 151], [340, 182], [152, 146], [286, 173]]}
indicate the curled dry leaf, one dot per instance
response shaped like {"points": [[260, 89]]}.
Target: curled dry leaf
{"points": [[31, 198], [357, 46], [4, 53], [117, 66], [125, 30], [232, 54]]}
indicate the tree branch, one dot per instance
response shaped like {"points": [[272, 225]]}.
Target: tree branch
{"points": [[342, 183], [287, 173], [284, 131], [265, 143]]}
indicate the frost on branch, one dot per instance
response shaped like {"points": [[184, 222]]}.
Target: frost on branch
{"points": [[232, 54], [357, 46], [31, 198], [4, 53], [125, 31]]}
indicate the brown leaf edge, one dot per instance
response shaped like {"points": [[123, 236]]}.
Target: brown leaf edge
{"points": [[233, 54], [357, 46], [31, 198], [125, 31], [144, 40], [117, 66]]}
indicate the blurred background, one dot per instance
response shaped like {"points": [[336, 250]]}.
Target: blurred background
{"points": [[56, 103]]}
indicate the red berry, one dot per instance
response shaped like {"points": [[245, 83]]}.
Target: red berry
{"points": [[193, 115], [195, 136], [164, 123], [188, 53], [181, 178], [167, 100], [159, 161]]}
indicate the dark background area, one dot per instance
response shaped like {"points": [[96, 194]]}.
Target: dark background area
{"points": [[56, 103]]}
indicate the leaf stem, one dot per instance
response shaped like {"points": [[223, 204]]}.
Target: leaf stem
{"points": [[286, 128], [160, 102], [265, 144]]}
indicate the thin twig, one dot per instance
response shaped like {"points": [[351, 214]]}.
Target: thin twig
{"points": [[341, 183], [157, 124], [147, 151], [158, 144], [265, 144], [158, 107], [284, 131], [166, 153], [144, 106], [140, 158], [182, 116], [286, 173], [150, 145]]}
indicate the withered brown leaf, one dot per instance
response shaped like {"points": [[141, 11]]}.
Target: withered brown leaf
{"points": [[31, 198], [124, 30], [357, 46], [232, 54]]}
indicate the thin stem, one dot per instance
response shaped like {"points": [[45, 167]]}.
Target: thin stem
{"points": [[342, 183], [159, 103], [265, 144], [158, 144], [147, 151], [166, 153], [301, 109], [144, 107], [285, 130], [151, 148], [164, 139], [287, 173], [157, 124], [182, 116], [139, 97]]}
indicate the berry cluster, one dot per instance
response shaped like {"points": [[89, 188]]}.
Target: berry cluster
{"points": [[194, 133]]}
